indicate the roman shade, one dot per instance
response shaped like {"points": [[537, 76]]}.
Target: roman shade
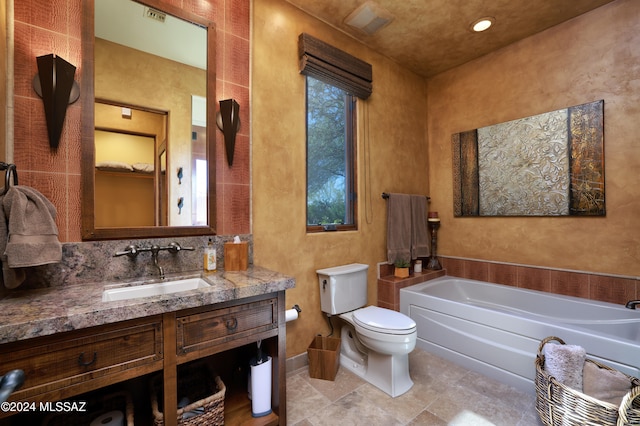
{"points": [[334, 66]]}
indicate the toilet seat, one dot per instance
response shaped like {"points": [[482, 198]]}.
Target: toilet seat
{"points": [[382, 320]]}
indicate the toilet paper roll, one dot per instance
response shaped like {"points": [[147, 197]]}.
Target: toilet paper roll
{"points": [[290, 315], [112, 418]]}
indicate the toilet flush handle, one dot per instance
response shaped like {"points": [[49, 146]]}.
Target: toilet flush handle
{"points": [[324, 284]]}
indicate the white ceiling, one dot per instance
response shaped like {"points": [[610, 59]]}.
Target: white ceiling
{"points": [[125, 22]]}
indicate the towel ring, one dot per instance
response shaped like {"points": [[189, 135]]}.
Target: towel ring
{"points": [[11, 171]]}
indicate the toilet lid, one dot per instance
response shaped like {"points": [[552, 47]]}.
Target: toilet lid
{"points": [[383, 320]]}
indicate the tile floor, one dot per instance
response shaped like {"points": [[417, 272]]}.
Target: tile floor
{"points": [[443, 394]]}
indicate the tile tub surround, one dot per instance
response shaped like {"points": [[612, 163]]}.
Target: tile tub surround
{"points": [[605, 288], [94, 261], [40, 312], [389, 286]]}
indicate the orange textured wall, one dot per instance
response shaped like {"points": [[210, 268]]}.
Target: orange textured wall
{"points": [[594, 56], [43, 27], [3, 78], [391, 157]]}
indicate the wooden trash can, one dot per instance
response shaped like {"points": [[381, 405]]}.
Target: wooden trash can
{"points": [[324, 357]]}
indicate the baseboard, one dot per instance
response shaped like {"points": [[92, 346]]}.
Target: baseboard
{"points": [[296, 362]]}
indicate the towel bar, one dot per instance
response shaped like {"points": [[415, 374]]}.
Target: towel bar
{"points": [[11, 171], [385, 195]]}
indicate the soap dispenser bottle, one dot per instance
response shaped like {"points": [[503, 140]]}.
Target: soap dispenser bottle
{"points": [[210, 257]]}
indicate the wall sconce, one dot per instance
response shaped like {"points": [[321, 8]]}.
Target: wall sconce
{"points": [[228, 120], [54, 83]]}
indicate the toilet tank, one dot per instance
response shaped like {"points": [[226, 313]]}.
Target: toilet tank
{"points": [[343, 288]]}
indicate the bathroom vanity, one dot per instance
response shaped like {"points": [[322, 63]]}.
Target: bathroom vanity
{"points": [[69, 342]]}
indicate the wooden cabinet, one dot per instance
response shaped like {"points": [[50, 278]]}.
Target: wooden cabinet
{"points": [[201, 333], [69, 364]]}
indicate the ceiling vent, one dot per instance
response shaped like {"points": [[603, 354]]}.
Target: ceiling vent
{"points": [[369, 18], [154, 14]]}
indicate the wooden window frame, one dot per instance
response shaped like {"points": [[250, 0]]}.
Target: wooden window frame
{"points": [[351, 208]]}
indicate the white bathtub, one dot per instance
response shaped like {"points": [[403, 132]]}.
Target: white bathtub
{"points": [[496, 329]]}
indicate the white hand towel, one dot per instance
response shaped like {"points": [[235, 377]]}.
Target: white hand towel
{"points": [[565, 363]]}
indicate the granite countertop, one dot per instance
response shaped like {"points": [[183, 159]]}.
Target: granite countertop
{"points": [[41, 312]]}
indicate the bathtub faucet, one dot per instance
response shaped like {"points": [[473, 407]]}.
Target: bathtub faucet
{"points": [[631, 304]]}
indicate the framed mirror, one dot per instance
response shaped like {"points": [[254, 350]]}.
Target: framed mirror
{"points": [[148, 120]]}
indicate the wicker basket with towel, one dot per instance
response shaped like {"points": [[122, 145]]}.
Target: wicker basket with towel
{"points": [[574, 390]]}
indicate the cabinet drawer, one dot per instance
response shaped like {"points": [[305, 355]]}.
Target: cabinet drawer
{"points": [[213, 328], [53, 363]]}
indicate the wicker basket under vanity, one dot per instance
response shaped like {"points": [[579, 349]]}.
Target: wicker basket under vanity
{"points": [[205, 389]]}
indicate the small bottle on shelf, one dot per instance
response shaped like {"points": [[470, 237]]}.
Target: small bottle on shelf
{"points": [[210, 257]]}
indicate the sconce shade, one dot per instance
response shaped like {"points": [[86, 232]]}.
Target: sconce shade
{"points": [[55, 78], [230, 112]]}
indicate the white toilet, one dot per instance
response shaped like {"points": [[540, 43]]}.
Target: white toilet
{"points": [[376, 342]]}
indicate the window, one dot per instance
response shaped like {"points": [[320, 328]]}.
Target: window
{"points": [[334, 80], [331, 180]]}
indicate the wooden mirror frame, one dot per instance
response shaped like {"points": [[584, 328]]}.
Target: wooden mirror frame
{"points": [[89, 230]]}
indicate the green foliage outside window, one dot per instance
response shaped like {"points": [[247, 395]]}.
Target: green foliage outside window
{"points": [[329, 154]]}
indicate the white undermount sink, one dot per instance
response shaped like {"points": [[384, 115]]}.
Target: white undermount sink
{"points": [[155, 289]]}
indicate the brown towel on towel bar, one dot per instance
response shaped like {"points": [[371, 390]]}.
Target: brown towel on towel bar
{"points": [[28, 233], [398, 227], [420, 245], [407, 231]]}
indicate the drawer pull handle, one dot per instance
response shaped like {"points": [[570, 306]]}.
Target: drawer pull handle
{"points": [[232, 324], [82, 362]]}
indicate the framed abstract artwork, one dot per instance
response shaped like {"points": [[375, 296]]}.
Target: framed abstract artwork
{"points": [[551, 164]]}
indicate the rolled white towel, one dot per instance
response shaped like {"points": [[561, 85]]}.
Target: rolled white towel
{"points": [[142, 167], [114, 166], [565, 363]]}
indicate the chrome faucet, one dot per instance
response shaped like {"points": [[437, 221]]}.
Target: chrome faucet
{"points": [[631, 304], [132, 251], [154, 255]]}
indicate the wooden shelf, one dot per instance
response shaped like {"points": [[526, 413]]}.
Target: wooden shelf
{"points": [[125, 174], [237, 411]]}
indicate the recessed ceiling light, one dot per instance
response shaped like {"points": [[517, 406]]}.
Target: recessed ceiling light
{"points": [[482, 24]]}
